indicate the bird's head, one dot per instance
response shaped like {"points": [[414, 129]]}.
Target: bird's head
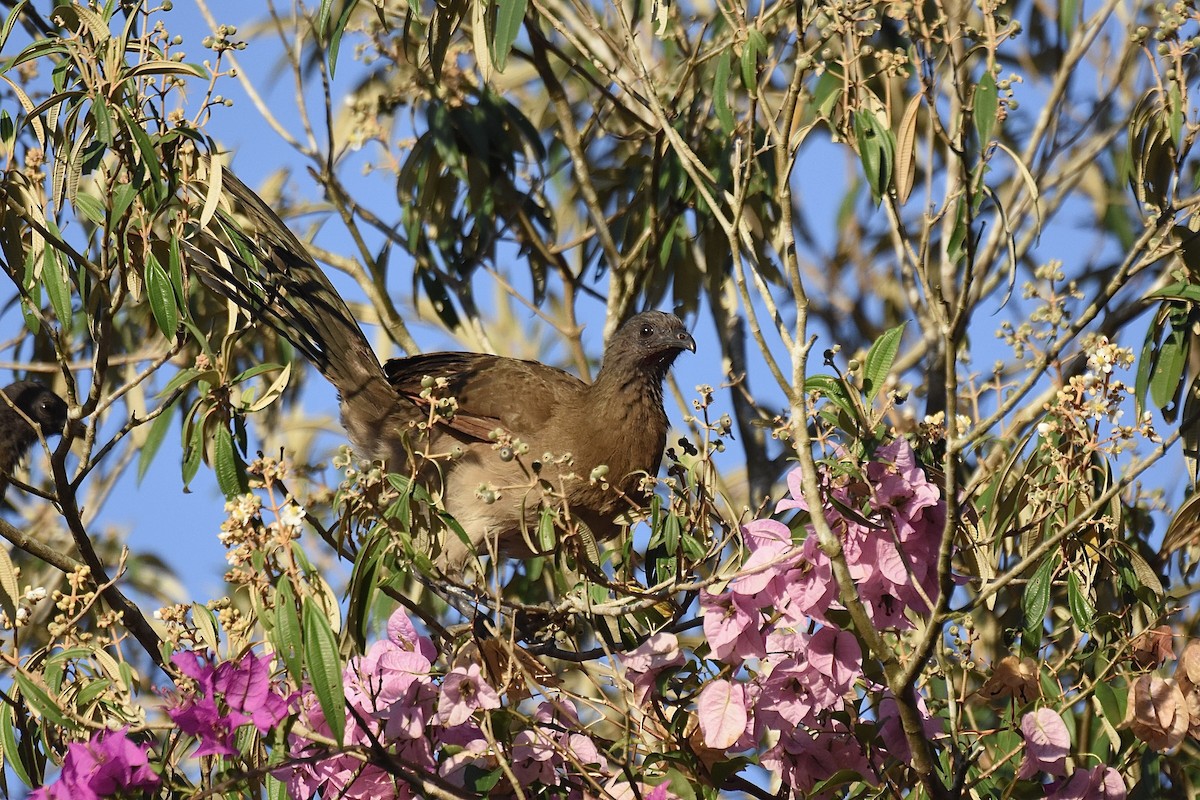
{"points": [[41, 406], [651, 340]]}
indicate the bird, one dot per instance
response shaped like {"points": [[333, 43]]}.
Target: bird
{"points": [[26, 404], [498, 438]]}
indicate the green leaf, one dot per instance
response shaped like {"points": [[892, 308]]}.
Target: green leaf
{"points": [[510, 14], [1145, 574], [207, 626], [161, 296], [1177, 291], [1110, 702], [721, 91], [827, 93], [324, 666], [1067, 11], [231, 473], [880, 359], [10, 588], [9, 23], [39, 699], [832, 389], [57, 287], [8, 744], [285, 633], [91, 208], [193, 450], [363, 583], [987, 106], [1145, 365], [1082, 611], [335, 36], [1172, 358], [154, 439], [1036, 602], [755, 44], [876, 150]]}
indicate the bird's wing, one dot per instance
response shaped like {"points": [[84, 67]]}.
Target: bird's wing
{"points": [[491, 391]]}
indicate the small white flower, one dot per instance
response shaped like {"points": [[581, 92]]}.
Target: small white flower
{"points": [[291, 515]]}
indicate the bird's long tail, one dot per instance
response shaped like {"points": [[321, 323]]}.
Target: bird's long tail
{"points": [[254, 260]]}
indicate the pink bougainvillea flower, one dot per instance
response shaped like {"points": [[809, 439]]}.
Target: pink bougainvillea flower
{"points": [[463, 692], [1098, 783], [644, 663], [731, 625], [110, 764], [1047, 744], [836, 655]]}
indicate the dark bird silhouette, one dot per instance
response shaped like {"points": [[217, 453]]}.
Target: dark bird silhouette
{"points": [[521, 434], [28, 403]]}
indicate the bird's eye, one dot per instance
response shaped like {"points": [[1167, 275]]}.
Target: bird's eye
{"points": [[647, 331]]}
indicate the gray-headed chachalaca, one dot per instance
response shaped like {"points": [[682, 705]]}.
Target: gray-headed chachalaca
{"points": [[490, 487], [27, 403]]}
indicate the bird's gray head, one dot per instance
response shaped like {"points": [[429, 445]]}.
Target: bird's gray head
{"points": [[651, 340], [40, 405]]}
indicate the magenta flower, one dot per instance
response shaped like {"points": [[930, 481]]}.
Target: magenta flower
{"points": [[107, 765], [226, 697], [246, 686]]}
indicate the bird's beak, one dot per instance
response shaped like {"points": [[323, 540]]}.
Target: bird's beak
{"points": [[77, 428], [686, 342]]}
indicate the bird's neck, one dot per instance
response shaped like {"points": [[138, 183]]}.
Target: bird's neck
{"points": [[630, 382]]}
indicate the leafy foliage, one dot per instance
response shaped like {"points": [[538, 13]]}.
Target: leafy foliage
{"points": [[981, 598]]}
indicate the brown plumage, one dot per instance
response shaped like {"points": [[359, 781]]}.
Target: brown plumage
{"points": [[495, 494], [28, 401]]}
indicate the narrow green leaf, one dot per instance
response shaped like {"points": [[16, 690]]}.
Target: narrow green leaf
{"points": [[755, 44], [1172, 358], [721, 91], [1036, 602], [1110, 702], [206, 625], [1067, 12], [57, 287], [8, 744], [91, 208], [285, 634], [510, 14], [879, 361], [154, 439], [876, 150], [9, 23], [1145, 574], [161, 296], [1145, 366], [231, 477], [547, 534], [10, 588], [828, 92], [1082, 612], [324, 668], [193, 447], [39, 699], [986, 108]]}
